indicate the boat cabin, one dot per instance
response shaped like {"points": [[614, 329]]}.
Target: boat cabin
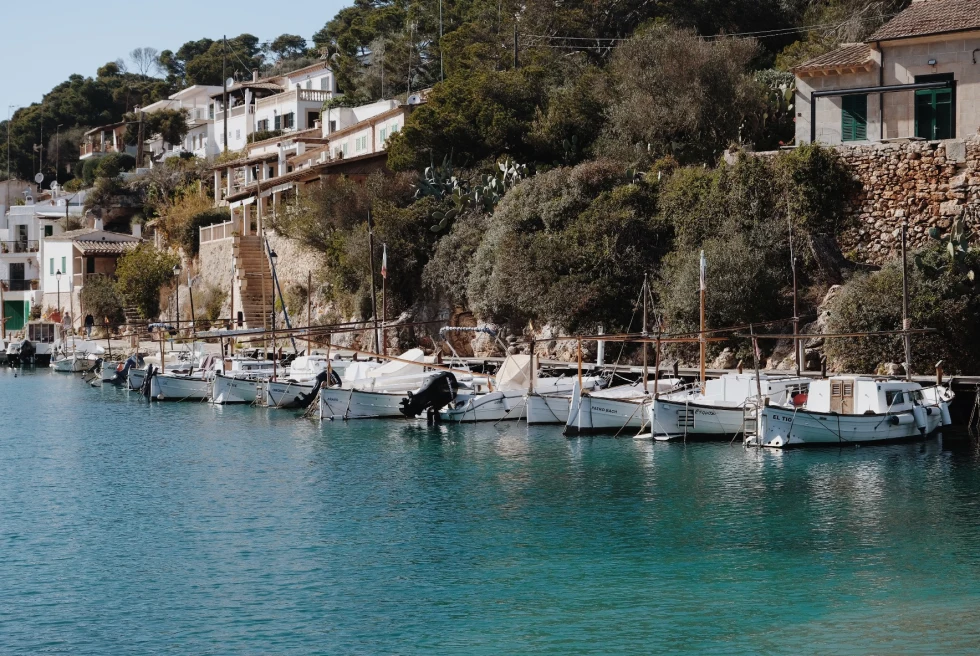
{"points": [[735, 388], [861, 395], [43, 332]]}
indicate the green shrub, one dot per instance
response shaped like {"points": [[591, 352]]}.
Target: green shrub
{"points": [[744, 285], [141, 274], [262, 135], [100, 298], [873, 302], [818, 187], [211, 300], [568, 247], [73, 185]]}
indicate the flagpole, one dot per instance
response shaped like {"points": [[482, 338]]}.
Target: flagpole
{"points": [[703, 345], [384, 305]]}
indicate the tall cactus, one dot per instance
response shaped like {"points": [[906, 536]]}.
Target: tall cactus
{"points": [[957, 243]]}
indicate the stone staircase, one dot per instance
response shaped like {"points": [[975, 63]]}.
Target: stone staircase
{"points": [[254, 279]]}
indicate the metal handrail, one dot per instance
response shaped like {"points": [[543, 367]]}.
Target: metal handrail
{"points": [[29, 246], [20, 284]]}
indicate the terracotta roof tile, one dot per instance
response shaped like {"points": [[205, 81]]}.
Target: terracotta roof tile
{"points": [[931, 17], [850, 55]]}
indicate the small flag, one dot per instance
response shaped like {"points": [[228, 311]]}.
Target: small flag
{"points": [[704, 273], [384, 261]]}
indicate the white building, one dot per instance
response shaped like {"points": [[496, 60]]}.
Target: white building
{"points": [[23, 230], [288, 103], [199, 140], [77, 255]]}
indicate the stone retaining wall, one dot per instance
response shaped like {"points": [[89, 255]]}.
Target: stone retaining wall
{"points": [[927, 183]]}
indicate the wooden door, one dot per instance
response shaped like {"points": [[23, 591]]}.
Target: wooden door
{"points": [[842, 396]]}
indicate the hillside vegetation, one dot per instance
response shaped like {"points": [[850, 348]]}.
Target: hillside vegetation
{"points": [[541, 184]]}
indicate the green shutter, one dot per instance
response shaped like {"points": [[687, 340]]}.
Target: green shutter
{"points": [[854, 118]]}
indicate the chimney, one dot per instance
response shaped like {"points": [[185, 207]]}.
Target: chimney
{"points": [[137, 229], [98, 224], [255, 75]]}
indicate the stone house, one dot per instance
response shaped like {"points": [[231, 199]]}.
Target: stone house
{"points": [[917, 77]]}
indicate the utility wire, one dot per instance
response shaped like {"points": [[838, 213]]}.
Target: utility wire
{"points": [[758, 34]]}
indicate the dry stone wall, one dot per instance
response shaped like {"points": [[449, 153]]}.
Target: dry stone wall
{"points": [[926, 182]]}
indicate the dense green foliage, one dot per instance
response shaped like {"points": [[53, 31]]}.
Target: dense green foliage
{"points": [[568, 247], [170, 124], [100, 298], [937, 299], [141, 274]]}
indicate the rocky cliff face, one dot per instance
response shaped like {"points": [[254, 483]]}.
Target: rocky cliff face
{"points": [[925, 182]]}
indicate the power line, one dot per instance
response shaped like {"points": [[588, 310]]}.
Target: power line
{"points": [[761, 34]]}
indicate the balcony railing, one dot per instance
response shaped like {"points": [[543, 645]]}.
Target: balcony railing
{"points": [[217, 231], [314, 95], [30, 246], [86, 149], [18, 285]]}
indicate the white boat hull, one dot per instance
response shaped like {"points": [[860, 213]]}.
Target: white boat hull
{"points": [[71, 365], [286, 393], [227, 390], [780, 428], [136, 378], [677, 420], [592, 414], [547, 408], [365, 405], [334, 402], [110, 369], [179, 388], [493, 406]]}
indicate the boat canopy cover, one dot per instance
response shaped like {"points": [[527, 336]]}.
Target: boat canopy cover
{"points": [[394, 368], [514, 374]]}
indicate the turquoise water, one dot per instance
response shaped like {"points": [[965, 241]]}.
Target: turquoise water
{"points": [[128, 528]]}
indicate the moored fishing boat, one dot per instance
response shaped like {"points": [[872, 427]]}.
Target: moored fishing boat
{"points": [[194, 386], [611, 410], [854, 410], [227, 389], [552, 407], [721, 410], [509, 396]]}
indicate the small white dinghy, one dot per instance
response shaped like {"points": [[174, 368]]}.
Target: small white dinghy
{"points": [[855, 410]]}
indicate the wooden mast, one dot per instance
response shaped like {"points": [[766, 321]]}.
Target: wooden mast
{"points": [[701, 338], [646, 389], [309, 309], [906, 322], [374, 289], [796, 314]]}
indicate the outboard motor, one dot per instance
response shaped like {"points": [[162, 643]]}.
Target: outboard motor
{"points": [[27, 352], [145, 389], [304, 400], [438, 392], [122, 371]]}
